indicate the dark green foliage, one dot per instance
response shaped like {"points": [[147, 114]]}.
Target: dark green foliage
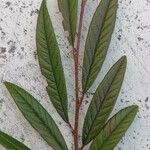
{"points": [[69, 9], [114, 129], [103, 101], [97, 41], [104, 133], [10, 143], [37, 116], [50, 62]]}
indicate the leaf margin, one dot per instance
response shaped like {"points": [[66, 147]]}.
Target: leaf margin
{"points": [[12, 88], [10, 142], [133, 109], [100, 100], [69, 19], [60, 102], [86, 83]]}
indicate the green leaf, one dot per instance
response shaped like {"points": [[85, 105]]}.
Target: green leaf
{"points": [[50, 62], [98, 40], [103, 101], [10, 143], [114, 129], [37, 116], [69, 9]]}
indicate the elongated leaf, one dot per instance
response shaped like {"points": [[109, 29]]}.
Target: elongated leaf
{"points": [[103, 101], [69, 9], [114, 129], [37, 116], [97, 41], [50, 62], [10, 143]]}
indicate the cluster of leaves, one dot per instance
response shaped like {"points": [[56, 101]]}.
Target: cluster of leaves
{"points": [[103, 132]]}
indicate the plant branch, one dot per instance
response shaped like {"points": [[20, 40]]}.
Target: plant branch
{"points": [[76, 67], [70, 126]]}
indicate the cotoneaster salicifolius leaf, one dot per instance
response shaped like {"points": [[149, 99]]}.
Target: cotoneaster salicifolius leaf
{"points": [[114, 129], [37, 116], [69, 9], [103, 101], [50, 62], [10, 143], [97, 42]]}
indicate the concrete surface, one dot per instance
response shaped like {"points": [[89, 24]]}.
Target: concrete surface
{"points": [[18, 64]]}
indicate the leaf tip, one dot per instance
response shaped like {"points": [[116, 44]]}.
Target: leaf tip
{"points": [[124, 59], [43, 4], [135, 108], [7, 84]]}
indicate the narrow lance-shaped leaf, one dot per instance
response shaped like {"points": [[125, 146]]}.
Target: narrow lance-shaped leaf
{"points": [[98, 40], [10, 143], [37, 116], [103, 101], [50, 62], [69, 9], [114, 129]]}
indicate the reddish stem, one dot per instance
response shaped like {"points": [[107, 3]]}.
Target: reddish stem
{"points": [[70, 126], [81, 148], [76, 67]]}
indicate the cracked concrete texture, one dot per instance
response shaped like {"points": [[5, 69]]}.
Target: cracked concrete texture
{"points": [[18, 64]]}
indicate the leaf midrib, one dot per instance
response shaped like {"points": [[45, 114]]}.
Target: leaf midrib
{"points": [[96, 49], [66, 118], [41, 119], [10, 142], [116, 127], [102, 103]]}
